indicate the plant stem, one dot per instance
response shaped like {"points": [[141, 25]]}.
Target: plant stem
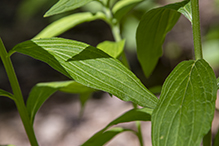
{"points": [[196, 29], [139, 133], [18, 98], [115, 28]]}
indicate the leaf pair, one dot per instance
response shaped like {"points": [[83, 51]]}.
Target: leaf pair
{"points": [[152, 30]]}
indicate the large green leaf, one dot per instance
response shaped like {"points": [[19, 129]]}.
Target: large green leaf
{"points": [[6, 94], [42, 91], [89, 66], [151, 33], [62, 25], [114, 49], [143, 114], [123, 7], [106, 136], [66, 5], [186, 107]]}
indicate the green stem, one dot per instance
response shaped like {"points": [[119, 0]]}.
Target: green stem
{"points": [[139, 133], [196, 29], [116, 33], [207, 139], [18, 98]]}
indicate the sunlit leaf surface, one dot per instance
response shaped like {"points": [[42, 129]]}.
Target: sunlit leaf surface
{"points": [[89, 66], [66, 5], [62, 25]]}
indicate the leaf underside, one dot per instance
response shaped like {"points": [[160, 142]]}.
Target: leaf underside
{"points": [[186, 105], [42, 91]]}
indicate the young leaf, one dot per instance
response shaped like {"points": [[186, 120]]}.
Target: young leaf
{"points": [[42, 91], [114, 49], [67, 23], [123, 7], [66, 5], [89, 66], [6, 94], [143, 114], [186, 106], [105, 137], [151, 33]]}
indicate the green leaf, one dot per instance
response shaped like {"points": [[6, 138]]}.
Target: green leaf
{"points": [[62, 25], [186, 10], [123, 7], [66, 5], [6, 94], [105, 137], [151, 33], [68, 87], [218, 83], [216, 139], [143, 114], [89, 66], [83, 99], [186, 107], [42, 91], [114, 49]]}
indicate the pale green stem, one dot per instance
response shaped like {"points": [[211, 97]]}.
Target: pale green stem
{"points": [[139, 133], [196, 29], [18, 98]]}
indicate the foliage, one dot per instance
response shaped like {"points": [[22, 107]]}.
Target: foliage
{"points": [[181, 116]]}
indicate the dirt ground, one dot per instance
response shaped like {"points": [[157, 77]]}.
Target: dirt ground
{"points": [[58, 123]]}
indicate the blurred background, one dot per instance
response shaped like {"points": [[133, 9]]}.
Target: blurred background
{"points": [[58, 122]]}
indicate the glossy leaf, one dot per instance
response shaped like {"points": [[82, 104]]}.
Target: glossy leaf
{"points": [[114, 49], [151, 33], [186, 105], [105, 137], [62, 25], [6, 94], [89, 66], [143, 114], [42, 91], [66, 5], [123, 7]]}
